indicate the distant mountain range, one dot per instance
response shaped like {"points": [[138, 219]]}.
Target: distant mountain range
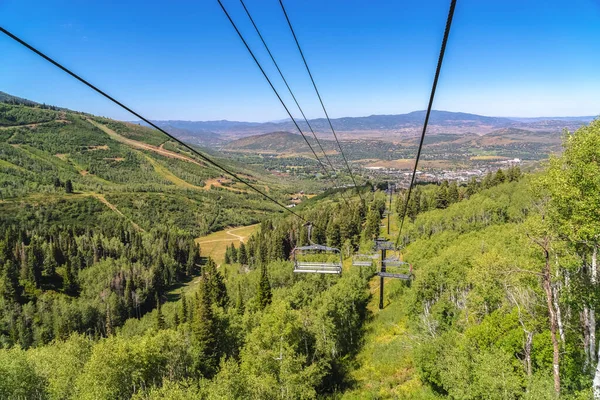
{"points": [[384, 127], [375, 126]]}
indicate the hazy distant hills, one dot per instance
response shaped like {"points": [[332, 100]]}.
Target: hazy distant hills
{"points": [[286, 143], [385, 127]]}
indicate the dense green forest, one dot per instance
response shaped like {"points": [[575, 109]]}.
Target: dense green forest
{"points": [[250, 329], [104, 295]]}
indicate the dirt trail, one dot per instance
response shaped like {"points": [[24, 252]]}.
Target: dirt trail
{"points": [[36, 124], [165, 173], [229, 232], [215, 182], [20, 126], [143, 146], [115, 209]]}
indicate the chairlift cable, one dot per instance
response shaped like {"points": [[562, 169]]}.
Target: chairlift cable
{"points": [[202, 156], [293, 96], [319, 96], [287, 85], [272, 86], [429, 107]]}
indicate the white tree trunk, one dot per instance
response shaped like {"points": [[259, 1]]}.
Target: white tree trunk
{"points": [[596, 382], [585, 322], [592, 318], [528, 346], [559, 320]]}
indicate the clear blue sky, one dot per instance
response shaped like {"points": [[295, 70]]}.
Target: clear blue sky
{"points": [[182, 59]]}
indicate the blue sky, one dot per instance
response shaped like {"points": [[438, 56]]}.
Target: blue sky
{"points": [[182, 59]]}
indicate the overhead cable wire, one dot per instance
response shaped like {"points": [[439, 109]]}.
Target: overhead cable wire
{"points": [[286, 84], [202, 156], [293, 96], [319, 96], [271, 85], [428, 113]]}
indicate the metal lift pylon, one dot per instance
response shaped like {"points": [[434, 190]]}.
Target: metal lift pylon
{"points": [[383, 246]]}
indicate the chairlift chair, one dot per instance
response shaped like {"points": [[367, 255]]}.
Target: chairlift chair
{"points": [[383, 244], [316, 258], [363, 260], [394, 262]]}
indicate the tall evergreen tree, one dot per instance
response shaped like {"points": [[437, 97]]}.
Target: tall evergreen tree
{"points": [[160, 319], [183, 317], [263, 294], [333, 233], [35, 261], [70, 283], [128, 296], [10, 290], [242, 255], [500, 177], [371, 230], [441, 197], [204, 333], [513, 174], [193, 258], [233, 253], [50, 264], [239, 300], [69, 186], [488, 181], [215, 285], [414, 205], [453, 195], [472, 187]]}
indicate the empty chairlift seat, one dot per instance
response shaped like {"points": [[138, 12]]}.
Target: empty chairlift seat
{"points": [[363, 260], [316, 258], [394, 268]]}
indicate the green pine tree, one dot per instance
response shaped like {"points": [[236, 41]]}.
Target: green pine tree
{"points": [[263, 294], [441, 199], [371, 230], [453, 195], [472, 187], [128, 298], [239, 300], [233, 253], [242, 255], [500, 177], [184, 309], [68, 186], [10, 289], [215, 285], [160, 319], [204, 333], [70, 283], [488, 181]]}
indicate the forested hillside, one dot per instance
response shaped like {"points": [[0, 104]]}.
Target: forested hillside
{"points": [[503, 305], [250, 329], [130, 169], [104, 295]]}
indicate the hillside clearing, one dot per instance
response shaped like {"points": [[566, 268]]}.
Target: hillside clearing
{"points": [[144, 146], [215, 244], [165, 173]]}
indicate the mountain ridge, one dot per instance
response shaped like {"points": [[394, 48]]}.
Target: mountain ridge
{"points": [[377, 125]]}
